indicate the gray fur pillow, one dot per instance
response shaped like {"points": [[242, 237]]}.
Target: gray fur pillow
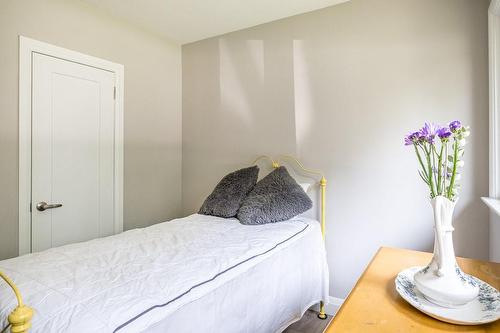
{"points": [[226, 198], [277, 197]]}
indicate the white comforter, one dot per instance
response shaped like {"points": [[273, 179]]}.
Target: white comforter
{"points": [[131, 281]]}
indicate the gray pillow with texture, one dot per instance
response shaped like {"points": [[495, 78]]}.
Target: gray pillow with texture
{"points": [[226, 198], [276, 197]]}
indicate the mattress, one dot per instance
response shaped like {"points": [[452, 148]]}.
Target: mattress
{"points": [[198, 273]]}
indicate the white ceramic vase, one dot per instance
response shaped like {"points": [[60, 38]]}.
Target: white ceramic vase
{"points": [[442, 281]]}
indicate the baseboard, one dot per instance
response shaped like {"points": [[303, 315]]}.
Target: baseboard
{"points": [[334, 303], [332, 306]]}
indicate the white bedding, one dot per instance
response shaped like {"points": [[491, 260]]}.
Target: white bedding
{"points": [[170, 276]]}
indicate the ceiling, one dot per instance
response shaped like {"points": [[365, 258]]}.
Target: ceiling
{"points": [[186, 21]]}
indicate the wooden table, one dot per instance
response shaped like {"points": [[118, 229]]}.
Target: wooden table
{"points": [[374, 305]]}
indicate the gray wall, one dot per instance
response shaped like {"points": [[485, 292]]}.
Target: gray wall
{"points": [[152, 104], [340, 88]]}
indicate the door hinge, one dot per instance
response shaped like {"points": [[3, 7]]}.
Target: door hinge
{"points": [[114, 92]]}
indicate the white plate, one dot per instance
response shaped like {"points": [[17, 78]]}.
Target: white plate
{"points": [[484, 309]]}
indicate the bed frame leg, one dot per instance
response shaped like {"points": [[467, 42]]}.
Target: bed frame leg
{"points": [[322, 315], [20, 319]]}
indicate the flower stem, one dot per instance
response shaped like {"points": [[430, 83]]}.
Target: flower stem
{"points": [[433, 161], [445, 164], [429, 172], [454, 172], [420, 160], [440, 167]]}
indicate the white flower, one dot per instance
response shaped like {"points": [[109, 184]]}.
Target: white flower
{"points": [[457, 176], [466, 133], [460, 164], [461, 142]]}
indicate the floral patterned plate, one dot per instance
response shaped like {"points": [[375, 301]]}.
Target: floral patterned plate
{"points": [[484, 309]]}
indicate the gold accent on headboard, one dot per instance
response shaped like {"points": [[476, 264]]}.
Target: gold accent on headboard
{"points": [[301, 166], [274, 164], [322, 185], [20, 318]]}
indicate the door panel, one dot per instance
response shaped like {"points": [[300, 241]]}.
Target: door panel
{"points": [[72, 152]]}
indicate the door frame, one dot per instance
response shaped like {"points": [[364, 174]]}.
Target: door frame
{"points": [[27, 47], [494, 114], [493, 201]]}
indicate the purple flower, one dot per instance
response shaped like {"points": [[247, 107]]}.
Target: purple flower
{"points": [[429, 132], [443, 133], [455, 125], [412, 138]]}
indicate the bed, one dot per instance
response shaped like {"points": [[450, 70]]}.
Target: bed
{"points": [[199, 273]]}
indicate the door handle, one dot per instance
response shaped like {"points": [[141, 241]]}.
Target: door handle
{"points": [[41, 206]]}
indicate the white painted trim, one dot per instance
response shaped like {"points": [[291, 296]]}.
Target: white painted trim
{"points": [[493, 201], [27, 47], [332, 306], [493, 204], [494, 8], [494, 113]]}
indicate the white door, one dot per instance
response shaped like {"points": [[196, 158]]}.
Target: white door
{"points": [[72, 159]]}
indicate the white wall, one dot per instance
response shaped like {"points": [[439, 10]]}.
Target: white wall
{"points": [[152, 104], [340, 88], [494, 250]]}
